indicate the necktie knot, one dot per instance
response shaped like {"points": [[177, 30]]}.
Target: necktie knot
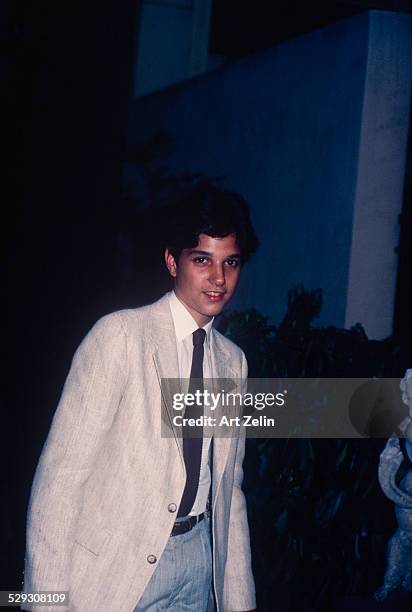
{"points": [[199, 337]]}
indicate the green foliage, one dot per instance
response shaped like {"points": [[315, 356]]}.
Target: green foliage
{"points": [[298, 349], [319, 521]]}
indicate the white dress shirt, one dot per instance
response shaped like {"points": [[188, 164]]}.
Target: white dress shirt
{"points": [[185, 325]]}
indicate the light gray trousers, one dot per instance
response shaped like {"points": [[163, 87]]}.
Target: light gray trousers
{"points": [[183, 577]]}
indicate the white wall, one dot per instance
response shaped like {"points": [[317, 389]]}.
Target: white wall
{"points": [[380, 175]]}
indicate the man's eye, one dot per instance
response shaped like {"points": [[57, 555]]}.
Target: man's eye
{"points": [[200, 260], [232, 263]]}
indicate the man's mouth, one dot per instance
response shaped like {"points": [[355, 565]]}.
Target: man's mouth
{"points": [[215, 296]]}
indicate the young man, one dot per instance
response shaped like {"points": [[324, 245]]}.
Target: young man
{"points": [[121, 517]]}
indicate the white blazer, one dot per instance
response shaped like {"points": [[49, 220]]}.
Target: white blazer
{"points": [[107, 485]]}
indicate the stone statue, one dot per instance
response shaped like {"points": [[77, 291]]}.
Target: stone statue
{"points": [[396, 451]]}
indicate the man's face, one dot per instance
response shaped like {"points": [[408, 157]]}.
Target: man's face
{"points": [[206, 275]]}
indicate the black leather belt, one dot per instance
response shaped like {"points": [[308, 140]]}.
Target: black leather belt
{"points": [[186, 525]]}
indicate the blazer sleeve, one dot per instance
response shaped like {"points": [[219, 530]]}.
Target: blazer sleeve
{"points": [[90, 398], [239, 585]]}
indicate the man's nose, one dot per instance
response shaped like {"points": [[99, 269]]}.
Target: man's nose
{"points": [[217, 276]]}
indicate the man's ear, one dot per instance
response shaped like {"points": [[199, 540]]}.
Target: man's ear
{"points": [[170, 263]]}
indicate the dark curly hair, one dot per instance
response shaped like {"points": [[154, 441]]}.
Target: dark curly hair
{"points": [[208, 209]]}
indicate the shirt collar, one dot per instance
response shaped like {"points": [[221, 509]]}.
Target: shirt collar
{"points": [[183, 321]]}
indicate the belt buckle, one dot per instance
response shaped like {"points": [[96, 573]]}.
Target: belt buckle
{"points": [[187, 524], [181, 527]]}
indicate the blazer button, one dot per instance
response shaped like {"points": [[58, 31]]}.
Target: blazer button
{"points": [[151, 559], [172, 507]]}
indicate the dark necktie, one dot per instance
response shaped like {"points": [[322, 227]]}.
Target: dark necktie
{"points": [[193, 436]]}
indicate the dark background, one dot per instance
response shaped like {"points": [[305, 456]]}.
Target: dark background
{"points": [[66, 77]]}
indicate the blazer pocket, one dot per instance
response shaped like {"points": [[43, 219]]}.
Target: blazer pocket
{"points": [[92, 537]]}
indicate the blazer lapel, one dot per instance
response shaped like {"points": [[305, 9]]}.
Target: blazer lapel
{"points": [[166, 361], [221, 370]]}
